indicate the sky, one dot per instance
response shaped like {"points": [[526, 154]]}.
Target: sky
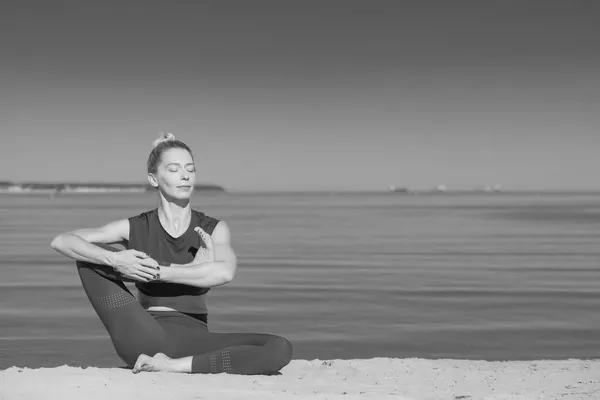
{"points": [[305, 95]]}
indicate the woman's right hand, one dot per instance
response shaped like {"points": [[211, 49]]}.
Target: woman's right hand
{"points": [[135, 265], [204, 254]]}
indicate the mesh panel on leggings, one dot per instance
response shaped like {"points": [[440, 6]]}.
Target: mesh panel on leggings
{"points": [[225, 362], [213, 364], [116, 300], [226, 358]]}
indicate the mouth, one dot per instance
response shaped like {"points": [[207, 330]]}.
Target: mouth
{"points": [[185, 186]]}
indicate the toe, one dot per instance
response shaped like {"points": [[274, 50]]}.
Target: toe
{"points": [[139, 364]]}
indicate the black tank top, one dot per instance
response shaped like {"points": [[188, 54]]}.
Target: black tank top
{"points": [[148, 235]]}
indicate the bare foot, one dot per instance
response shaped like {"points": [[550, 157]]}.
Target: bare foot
{"points": [[158, 363]]}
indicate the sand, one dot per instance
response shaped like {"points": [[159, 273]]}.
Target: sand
{"points": [[377, 378]]}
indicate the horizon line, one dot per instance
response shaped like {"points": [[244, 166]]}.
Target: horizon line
{"points": [[475, 189]]}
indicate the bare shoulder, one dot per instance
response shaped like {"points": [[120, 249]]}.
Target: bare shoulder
{"points": [[221, 234]]}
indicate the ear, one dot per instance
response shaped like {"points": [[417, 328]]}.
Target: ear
{"points": [[152, 180]]}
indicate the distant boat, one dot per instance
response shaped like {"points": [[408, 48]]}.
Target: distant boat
{"points": [[397, 189]]}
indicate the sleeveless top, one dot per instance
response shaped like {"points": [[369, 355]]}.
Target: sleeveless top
{"points": [[146, 234]]}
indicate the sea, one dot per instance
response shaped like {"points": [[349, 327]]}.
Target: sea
{"points": [[486, 276]]}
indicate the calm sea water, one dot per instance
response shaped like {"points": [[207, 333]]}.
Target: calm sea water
{"points": [[493, 277]]}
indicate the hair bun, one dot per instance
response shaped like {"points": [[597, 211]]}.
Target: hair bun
{"points": [[164, 137]]}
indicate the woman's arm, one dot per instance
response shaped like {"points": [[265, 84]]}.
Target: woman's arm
{"points": [[217, 272], [131, 264], [78, 244]]}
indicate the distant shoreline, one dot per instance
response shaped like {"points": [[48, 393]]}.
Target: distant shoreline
{"points": [[106, 187], [124, 191], [92, 187]]}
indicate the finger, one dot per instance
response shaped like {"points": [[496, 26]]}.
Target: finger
{"points": [[209, 243], [205, 237], [139, 278], [210, 250], [199, 231], [140, 254], [146, 277], [149, 262], [148, 271]]}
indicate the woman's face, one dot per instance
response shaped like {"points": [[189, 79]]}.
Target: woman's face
{"points": [[176, 174]]}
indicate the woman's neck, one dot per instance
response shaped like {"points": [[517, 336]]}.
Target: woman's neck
{"points": [[174, 215]]}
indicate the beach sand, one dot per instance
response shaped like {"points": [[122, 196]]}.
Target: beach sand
{"points": [[377, 378]]}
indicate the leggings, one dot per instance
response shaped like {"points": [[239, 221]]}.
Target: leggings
{"points": [[135, 331]]}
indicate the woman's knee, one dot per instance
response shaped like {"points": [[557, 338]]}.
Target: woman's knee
{"points": [[90, 269], [282, 351], [101, 269]]}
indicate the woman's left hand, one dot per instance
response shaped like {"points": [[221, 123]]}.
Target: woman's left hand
{"points": [[204, 255]]}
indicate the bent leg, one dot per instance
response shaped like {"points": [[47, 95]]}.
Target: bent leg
{"points": [[244, 353], [132, 330], [235, 353]]}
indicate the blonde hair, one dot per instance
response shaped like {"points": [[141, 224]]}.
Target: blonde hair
{"points": [[164, 142], [164, 137]]}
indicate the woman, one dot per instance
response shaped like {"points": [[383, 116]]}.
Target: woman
{"points": [[174, 255]]}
